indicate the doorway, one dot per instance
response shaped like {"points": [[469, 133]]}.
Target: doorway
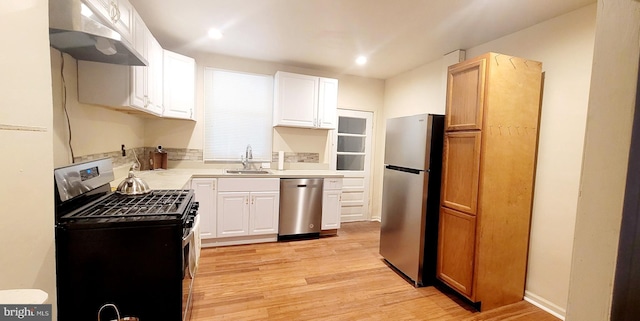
{"points": [[626, 288], [352, 158]]}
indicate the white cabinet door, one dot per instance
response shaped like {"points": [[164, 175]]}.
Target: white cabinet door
{"points": [[102, 8], [139, 74], [205, 192], [328, 103], [179, 86], [233, 214], [295, 100], [122, 16], [331, 203], [136, 88], [155, 75], [263, 217], [305, 101], [118, 14]]}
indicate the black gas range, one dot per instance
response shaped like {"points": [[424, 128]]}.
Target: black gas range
{"points": [[134, 251]]}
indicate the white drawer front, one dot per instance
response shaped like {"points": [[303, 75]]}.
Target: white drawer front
{"points": [[248, 184], [332, 183]]}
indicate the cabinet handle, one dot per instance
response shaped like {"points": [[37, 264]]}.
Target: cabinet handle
{"points": [[319, 122], [112, 11], [253, 199], [116, 16], [246, 200]]}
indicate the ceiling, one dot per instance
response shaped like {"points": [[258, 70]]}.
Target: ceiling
{"points": [[396, 35]]}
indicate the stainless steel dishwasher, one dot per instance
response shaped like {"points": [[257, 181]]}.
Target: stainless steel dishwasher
{"points": [[300, 207]]}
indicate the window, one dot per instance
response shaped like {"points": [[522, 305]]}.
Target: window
{"points": [[238, 110]]}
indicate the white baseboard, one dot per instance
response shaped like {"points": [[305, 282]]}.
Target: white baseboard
{"points": [[545, 305]]}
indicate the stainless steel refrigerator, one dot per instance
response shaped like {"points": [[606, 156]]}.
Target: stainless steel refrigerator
{"points": [[411, 195]]}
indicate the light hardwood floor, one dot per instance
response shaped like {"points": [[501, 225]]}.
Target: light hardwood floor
{"points": [[332, 278]]}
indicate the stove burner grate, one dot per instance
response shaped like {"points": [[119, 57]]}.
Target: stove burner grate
{"points": [[156, 203]]}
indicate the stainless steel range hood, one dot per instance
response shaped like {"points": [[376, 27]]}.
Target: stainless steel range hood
{"points": [[76, 30]]}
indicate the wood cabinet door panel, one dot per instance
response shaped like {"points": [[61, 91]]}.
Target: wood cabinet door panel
{"points": [[460, 171], [465, 96], [456, 248]]}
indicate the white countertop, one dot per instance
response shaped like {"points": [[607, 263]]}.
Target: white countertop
{"points": [[179, 178]]}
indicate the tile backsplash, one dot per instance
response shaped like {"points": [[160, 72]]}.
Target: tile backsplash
{"points": [[178, 154], [291, 157]]}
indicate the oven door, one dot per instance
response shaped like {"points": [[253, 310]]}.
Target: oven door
{"points": [[190, 249]]}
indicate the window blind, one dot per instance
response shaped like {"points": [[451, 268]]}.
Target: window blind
{"points": [[238, 112]]}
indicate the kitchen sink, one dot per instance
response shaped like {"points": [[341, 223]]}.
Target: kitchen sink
{"points": [[247, 171]]}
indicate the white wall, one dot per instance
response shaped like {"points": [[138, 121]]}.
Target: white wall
{"points": [[94, 129], [606, 151], [26, 215], [565, 46]]}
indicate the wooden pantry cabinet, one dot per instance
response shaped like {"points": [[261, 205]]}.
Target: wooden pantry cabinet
{"points": [[491, 135]]}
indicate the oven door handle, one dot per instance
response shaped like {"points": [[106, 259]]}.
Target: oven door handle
{"points": [[187, 239], [191, 240]]}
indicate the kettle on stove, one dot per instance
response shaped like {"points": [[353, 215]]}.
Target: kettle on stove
{"points": [[133, 185]]}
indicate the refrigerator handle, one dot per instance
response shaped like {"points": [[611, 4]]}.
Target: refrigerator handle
{"points": [[403, 169]]}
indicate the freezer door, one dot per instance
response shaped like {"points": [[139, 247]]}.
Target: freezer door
{"points": [[406, 141], [403, 221]]}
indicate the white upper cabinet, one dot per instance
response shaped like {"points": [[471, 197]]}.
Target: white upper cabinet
{"points": [[123, 15], [136, 88], [139, 73], [119, 14], [155, 75], [165, 87], [328, 103], [179, 86], [304, 101]]}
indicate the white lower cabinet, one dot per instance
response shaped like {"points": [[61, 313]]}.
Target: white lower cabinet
{"points": [[248, 207], [264, 213], [233, 214], [205, 191], [238, 210], [331, 203]]}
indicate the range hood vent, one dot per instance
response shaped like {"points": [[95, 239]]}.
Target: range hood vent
{"points": [[76, 30]]}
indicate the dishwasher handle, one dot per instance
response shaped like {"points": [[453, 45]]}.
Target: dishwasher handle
{"points": [[302, 185]]}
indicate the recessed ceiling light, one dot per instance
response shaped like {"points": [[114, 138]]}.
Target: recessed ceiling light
{"points": [[361, 60], [215, 33]]}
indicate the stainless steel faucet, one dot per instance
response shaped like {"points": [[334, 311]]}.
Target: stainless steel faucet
{"points": [[248, 154]]}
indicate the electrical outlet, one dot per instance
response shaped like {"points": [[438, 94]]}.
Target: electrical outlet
{"points": [[266, 165], [124, 152]]}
